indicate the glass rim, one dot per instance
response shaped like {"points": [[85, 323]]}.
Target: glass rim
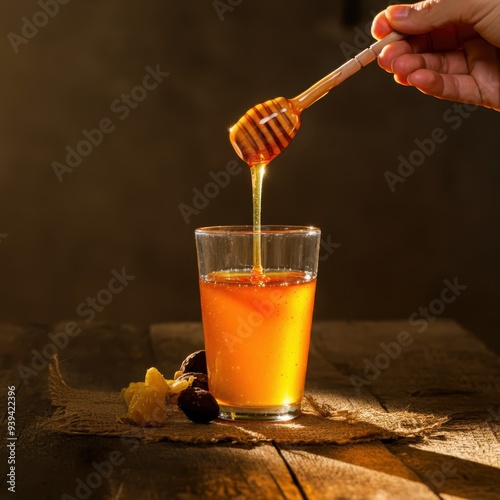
{"points": [[248, 229]]}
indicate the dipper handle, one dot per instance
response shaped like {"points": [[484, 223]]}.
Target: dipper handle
{"points": [[349, 68]]}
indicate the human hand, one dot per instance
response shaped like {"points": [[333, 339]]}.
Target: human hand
{"points": [[452, 51]]}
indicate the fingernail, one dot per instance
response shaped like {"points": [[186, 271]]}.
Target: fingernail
{"points": [[398, 12]]}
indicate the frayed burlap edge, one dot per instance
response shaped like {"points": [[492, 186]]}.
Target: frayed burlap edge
{"points": [[80, 411]]}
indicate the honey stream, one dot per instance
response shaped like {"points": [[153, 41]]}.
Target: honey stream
{"points": [[257, 172], [265, 130]]}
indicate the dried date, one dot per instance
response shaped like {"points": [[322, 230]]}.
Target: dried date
{"points": [[198, 405], [195, 363]]}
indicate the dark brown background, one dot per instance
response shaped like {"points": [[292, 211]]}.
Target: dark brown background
{"points": [[120, 207]]}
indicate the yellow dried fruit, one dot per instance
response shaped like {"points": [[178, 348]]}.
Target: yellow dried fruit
{"points": [[147, 401], [148, 406], [130, 391], [180, 385], [155, 379]]}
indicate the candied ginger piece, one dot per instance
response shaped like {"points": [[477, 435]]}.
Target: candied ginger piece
{"points": [[155, 379], [177, 386], [148, 406], [131, 390], [147, 401]]}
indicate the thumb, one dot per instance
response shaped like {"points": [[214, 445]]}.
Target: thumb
{"points": [[425, 16]]}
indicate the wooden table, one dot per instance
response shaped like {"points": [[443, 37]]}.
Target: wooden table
{"points": [[442, 369]]}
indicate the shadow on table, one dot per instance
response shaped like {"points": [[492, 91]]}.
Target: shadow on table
{"points": [[441, 473]]}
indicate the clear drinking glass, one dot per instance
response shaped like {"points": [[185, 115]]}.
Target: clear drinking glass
{"points": [[257, 316]]}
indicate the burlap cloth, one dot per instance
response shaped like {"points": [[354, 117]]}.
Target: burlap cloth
{"points": [[79, 411]]}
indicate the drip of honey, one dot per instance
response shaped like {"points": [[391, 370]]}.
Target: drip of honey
{"points": [[257, 172], [265, 130], [273, 125], [258, 138]]}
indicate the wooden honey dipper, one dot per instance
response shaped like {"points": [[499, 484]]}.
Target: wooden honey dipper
{"points": [[265, 130]]}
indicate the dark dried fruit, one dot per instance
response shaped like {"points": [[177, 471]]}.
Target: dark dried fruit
{"points": [[200, 379], [198, 405], [195, 362]]}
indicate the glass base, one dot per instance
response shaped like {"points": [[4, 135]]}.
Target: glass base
{"points": [[260, 414]]}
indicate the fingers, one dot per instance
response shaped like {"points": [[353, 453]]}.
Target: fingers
{"points": [[462, 88], [391, 52], [452, 63], [403, 64], [471, 75], [443, 39], [400, 60], [451, 51], [446, 40]]}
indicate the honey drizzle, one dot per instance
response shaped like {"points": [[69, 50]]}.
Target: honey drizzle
{"points": [[257, 172]]}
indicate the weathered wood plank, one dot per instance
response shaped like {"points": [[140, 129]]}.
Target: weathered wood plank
{"points": [[16, 345], [193, 472], [16, 369], [465, 463], [100, 357], [443, 370], [326, 382], [104, 356], [353, 471], [128, 469]]}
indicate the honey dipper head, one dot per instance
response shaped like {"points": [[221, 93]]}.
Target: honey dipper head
{"points": [[264, 131]]}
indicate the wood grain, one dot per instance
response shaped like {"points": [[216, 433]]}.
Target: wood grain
{"points": [[226, 471], [355, 472], [444, 370]]}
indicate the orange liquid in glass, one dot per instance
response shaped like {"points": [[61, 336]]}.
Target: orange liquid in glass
{"points": [[257, 336]]}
